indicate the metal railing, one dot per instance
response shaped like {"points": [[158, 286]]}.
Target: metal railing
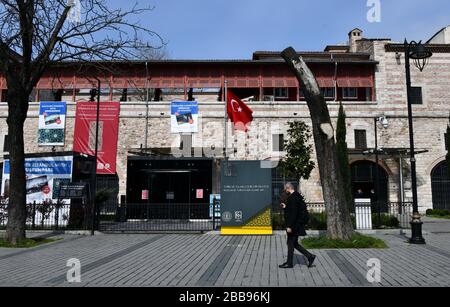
{"points": [[364, 216], [157, 217], [190, 217], [51, 217]]}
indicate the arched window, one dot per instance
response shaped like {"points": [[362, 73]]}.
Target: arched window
{"points": [[440, 186]]}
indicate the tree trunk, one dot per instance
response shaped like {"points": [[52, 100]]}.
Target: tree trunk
{"points": [[338, 214], [17, 110]]}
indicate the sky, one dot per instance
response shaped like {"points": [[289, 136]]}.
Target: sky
{"points": [[234, 29]]}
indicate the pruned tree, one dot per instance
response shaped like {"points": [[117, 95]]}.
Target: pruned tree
{"points": [[35, 34], [297, 163], [338, 214], [342, 150]]}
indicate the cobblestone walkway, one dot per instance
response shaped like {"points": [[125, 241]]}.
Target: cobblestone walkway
{"points": [[211, 260]]}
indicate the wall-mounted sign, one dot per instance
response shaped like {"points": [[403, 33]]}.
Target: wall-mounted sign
{"points": [[52, 123], [170, 195], [214, 208], [184, 117], [199, 194], [73, 191], [145, 194]]}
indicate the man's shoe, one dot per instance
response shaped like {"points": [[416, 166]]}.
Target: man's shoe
{"points": [[286, 266], [311, 261]]}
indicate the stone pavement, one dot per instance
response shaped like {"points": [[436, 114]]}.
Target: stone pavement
{"points": [[212, 260]]}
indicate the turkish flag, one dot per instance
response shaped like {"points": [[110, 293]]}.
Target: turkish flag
{"points": [[239, 113]]}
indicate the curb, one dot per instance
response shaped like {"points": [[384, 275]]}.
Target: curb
{"points": [[316, 233]]}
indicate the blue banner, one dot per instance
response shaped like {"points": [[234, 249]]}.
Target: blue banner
{"points": [[44, 167], [184, 107], [52, 108]]}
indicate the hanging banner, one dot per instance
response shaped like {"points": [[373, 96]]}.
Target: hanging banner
{"points": [[52, 123], [43, 177], [108, 133], [184, 117]]}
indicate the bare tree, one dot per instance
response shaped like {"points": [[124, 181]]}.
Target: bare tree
{"points": [[35, 34], [154, 53], [338, 214]]}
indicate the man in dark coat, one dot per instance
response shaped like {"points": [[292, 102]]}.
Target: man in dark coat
{"points": [[296, 217]]}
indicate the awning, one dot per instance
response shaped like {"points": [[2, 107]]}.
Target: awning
{"points": [[325, 82], [350, 82]]}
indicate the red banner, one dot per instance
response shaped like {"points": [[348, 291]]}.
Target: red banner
{"points": [[108, 133]]}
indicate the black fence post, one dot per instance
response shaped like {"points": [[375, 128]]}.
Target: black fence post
{"points": [[214, 213], [33, 213], [57, 207]]}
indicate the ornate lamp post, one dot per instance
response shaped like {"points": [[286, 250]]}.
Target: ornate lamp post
{"points": [[385, 123], [420, 55]]}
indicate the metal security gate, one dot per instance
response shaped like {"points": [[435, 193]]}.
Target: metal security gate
{"points": [[137, 218]]}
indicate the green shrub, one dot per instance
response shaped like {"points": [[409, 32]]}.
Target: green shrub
{"points": [[358, 241], [27, 243], [317, 221], [388, 221], [438, 212], [277, 221]]}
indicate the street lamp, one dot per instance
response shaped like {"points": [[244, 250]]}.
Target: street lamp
{"points": [[420, 55], [95, 95], [385, 123]]}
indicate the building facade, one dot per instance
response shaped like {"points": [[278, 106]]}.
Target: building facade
{"points": [[367, 76]]}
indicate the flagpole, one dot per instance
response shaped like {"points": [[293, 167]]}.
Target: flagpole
{"points": [[226, 121]]}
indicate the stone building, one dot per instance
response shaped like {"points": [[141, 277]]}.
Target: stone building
{"points": [[367, 75]]}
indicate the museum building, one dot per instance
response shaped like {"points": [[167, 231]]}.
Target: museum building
{"points": [[156, 163]]}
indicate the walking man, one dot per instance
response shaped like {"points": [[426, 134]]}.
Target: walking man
{"points": [[296, 217]]}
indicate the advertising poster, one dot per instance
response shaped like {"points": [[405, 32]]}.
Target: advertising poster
{"points": [[246, 198], [108, 133], [184, 117], [52, 123], [43, 175], [215, 212]]}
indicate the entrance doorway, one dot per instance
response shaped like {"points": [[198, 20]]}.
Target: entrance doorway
{"points": [[364, 180], [169, 189], [440, 186]]}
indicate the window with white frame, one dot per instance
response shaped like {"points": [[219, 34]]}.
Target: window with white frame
{"points": [[328, 92], [281, 92], [350, 93], [278, 142]]}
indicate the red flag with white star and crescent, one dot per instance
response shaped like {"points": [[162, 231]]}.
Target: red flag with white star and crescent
{"points": [[239, 113]]}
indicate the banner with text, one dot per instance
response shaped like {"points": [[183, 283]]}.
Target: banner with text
{"points": [[52, 123], [108, 133], [184, 117], [246, 198], [43, 177]]}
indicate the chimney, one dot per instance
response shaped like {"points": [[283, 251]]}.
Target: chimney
{"points": [[354, 35]]}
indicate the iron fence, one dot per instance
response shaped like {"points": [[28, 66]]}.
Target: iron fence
{"points": [[191, 217], [157, 217], [51, 217]]}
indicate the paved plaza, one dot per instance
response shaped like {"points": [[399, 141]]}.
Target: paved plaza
{"points": [[211, 260]]}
